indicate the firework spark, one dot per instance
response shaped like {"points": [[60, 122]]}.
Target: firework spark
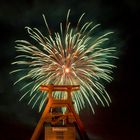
{"points": [[70, 58]]}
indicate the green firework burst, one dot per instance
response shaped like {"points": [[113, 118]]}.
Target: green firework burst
{"points": [[71, 57]]}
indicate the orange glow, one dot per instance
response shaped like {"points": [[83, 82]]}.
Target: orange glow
{"points": [[67, 70]]}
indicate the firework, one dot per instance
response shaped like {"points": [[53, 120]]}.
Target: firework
{"points": [[73, 57]]}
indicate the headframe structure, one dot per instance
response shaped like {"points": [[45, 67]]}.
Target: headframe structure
{"points": [[69, 117]]}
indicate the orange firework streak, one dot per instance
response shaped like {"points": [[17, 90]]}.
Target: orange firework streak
{"points": [[54, 103]]}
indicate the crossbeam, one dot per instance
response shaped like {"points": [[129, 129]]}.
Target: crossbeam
{"points": [[59, 87]]}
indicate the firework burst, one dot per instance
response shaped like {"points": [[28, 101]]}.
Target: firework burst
{"points": [[73, 57]]}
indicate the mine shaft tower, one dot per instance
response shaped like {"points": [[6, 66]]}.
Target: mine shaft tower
{"points": [[62, 124]]}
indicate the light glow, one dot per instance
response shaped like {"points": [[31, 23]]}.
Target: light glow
{"points": [[67, 70]]}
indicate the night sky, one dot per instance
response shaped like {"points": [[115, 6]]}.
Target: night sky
{"points": [[118, 122]]}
